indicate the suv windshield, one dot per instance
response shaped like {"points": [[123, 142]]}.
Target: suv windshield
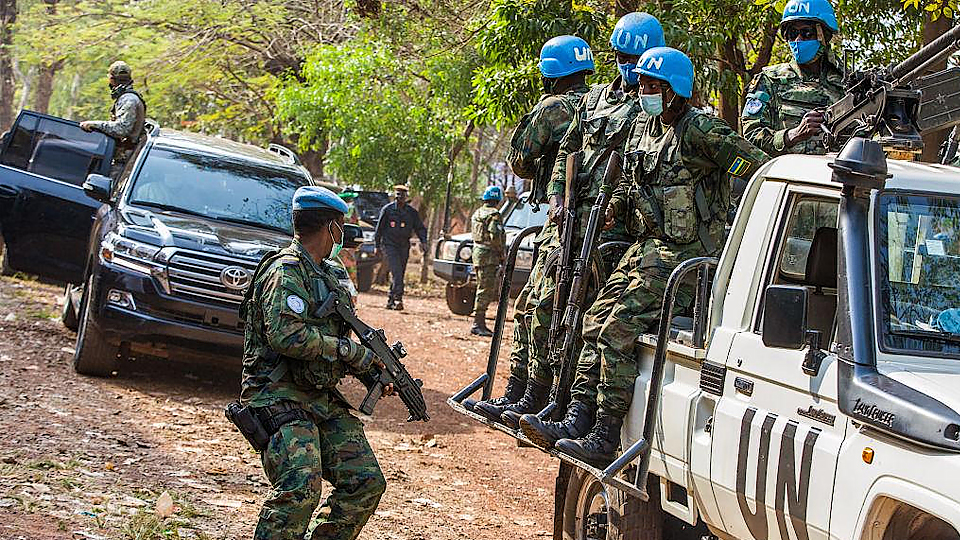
{"points": [[919, 268], [523, 215], [369, 204], [217, 187]]}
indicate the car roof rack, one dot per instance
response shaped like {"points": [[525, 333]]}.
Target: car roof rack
{"points": [[285, 153]]}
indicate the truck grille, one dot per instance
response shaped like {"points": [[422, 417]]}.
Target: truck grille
{"points": [[197, 276]]}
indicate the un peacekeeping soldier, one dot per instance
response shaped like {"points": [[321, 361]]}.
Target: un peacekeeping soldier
{"points": [[126, 117], [565, 61], [783, 112], [676, 190], [600, 127], [489, 246], [398, 222], [292, 363]]}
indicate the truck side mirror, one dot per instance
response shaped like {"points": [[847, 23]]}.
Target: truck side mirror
{"points": [[785, 317], [97, 187], [352, 235]]}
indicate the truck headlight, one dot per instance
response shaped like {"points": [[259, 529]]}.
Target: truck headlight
{"points": [[465, 254], [130, 254], [448, 250]]}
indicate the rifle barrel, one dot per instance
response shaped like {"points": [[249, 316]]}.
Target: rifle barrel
{"points": [[922, 58]]}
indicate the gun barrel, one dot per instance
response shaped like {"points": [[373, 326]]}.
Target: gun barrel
{"points": [[917, 63]]}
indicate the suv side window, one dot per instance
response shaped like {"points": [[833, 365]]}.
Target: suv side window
{"points": [[806, 255], [18, 151], [65, 152]]}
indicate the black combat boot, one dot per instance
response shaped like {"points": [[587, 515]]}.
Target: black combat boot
{"points": [[599, 447], [534, 399], [493, 408], [390, 303], [574, 425], [398, 305], [480, 325]]}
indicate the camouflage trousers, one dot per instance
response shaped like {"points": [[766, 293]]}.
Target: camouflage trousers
{"points": [[299, 457], [628, 305], [487, 289]]}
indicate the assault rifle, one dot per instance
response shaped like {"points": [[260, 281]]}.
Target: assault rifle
{"points": [[885, 103], [949, 150], [571, 319], [393, 371]]}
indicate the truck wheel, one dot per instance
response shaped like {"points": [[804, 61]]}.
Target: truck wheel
{"points": [[93, 355], [460, 298], [593, 512], [69, 314], [364, 278]]}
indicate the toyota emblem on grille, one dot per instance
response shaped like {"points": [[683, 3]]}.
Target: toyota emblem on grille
{"points": [[235, 277]]}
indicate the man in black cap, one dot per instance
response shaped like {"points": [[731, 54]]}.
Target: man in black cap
{"points": [[398, 223]]}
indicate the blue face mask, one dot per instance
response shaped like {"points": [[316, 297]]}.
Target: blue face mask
{"points": [[804, 51], [652, 104], [630, 77]]}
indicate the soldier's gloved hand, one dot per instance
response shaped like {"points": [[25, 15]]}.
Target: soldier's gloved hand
{"points": [[556, 209], [86, 126], [357, 356], [809, 126]]}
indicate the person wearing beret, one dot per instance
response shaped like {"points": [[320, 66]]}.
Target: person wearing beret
{"points": [[292, 362], [398, 223]]}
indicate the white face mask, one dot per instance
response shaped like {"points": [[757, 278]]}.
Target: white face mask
{"points": [[337, 246], [652, 104]]}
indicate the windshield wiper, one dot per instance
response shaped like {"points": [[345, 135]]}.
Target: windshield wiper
{"points": [[923, 334], [241, 221], [168, 207]]}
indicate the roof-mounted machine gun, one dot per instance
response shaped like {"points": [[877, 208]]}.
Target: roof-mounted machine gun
{"points": [[898, 104]]}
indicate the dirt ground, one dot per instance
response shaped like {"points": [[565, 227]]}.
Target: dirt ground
{"points": [[82, 457]]}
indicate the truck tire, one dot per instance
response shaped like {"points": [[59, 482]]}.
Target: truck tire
{"points": [[365, 277], [460, 298], [592, 511], [69, 314], [93, 355]]}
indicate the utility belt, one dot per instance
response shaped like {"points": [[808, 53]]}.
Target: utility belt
{"points": [[259, 424]]}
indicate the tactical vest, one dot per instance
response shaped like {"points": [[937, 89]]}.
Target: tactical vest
{"points": [[480, 226], [127, 144], [538, 189], [605, 126]]}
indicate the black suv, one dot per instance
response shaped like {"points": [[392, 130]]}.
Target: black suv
{"points": [[164, 252]]}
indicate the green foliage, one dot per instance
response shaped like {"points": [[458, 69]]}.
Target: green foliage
{"points": [[936, 8]]}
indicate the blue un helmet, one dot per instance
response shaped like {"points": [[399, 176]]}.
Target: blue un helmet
{"points": [[492, 193], [565, 55], [634, 34], [810, 10], [670, 65], [318, 198]]}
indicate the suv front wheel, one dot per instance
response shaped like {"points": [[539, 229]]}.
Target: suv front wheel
{"points": [[93, 354]]}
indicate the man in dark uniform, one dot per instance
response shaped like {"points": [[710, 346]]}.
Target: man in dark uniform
{"points": [[126, 117], [398, 223]]}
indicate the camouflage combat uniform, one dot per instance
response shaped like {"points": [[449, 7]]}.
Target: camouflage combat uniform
{"points": [[533, 151], [778, 98], [327, 441], [489, 244], [675, 192], [125, 125], [603, 120]]}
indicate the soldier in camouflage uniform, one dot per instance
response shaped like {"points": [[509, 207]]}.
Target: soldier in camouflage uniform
{"points": [[565, 61], [603, 119], [783, 112], [126, 117], [676, 192], [489, 245], [291, 365]]}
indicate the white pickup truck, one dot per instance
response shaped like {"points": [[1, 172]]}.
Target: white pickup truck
{"points": [[794, 404]]}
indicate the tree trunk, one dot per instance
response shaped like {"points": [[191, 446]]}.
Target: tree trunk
{"points": [[8, 87], [477, 158], [26, 81], [622, 7], [931, 31], [48, 72], [730, 109], [429, 215]]}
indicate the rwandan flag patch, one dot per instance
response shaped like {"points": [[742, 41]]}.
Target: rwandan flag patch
{"points": [[739, 166]]}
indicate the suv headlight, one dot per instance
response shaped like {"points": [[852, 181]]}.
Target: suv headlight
{"points": [[130, 254], [448, 250], [466, 253]]}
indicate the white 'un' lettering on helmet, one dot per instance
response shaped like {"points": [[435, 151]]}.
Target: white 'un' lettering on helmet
{"points": [[797, 7], [623, 38], [655, 62], [640, 41], [582, 53]]}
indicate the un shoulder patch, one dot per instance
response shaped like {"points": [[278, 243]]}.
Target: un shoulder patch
{"points": [[752, 107], [296, 304], [739, 166]]}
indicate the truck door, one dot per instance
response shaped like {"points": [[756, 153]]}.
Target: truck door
{"points": [[776, 430], [46, 216]]}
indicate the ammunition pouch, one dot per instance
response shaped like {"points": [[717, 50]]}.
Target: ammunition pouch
{"points": [[259, 424]]}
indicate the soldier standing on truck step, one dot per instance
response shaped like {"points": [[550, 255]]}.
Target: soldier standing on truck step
{"points": [[565, 61], [292, 362], [783, 113], [126, 117], [678, 172], [599, 128], [398, 223], [489, 247]]}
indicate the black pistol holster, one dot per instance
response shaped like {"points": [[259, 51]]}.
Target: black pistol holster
{"points": [[259, 424]]}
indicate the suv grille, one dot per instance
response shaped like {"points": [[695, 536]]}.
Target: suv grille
{"points": [[197, 276]]}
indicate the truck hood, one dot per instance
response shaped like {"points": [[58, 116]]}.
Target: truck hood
{"points": [[200, 233], [938, 378]]}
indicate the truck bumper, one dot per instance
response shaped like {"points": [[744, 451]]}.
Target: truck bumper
{"points": [[452, 272]]}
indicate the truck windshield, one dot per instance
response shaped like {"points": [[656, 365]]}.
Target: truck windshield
{"points": [[524, 215], [919, 270], [217, 187]]}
